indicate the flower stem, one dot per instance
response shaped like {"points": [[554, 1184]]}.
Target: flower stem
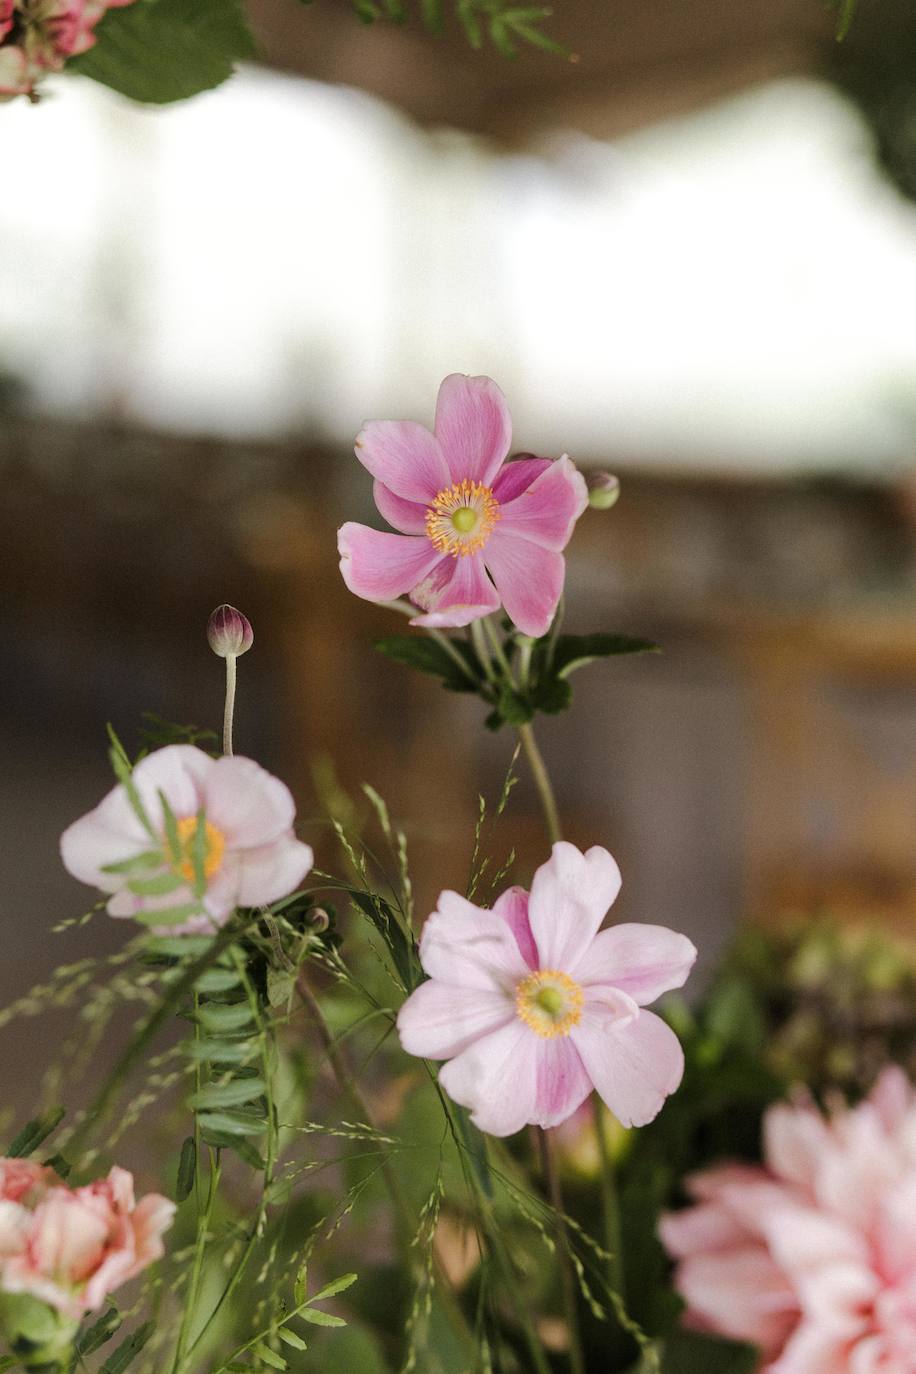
{"points": [[479, 641], [200, 1246], [542, 782], [610, 1207], [229, 707], [567, 1277]]}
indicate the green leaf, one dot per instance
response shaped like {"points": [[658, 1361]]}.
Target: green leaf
{"points": [[316, 1318], [846, 15], [575, 651], [187, 1169], [150, 858], [402, 947], [290, 1337], [269, 1356], [336, 1286], [428, 656], [127, 1352], [160, 886], [233, 1123], [242, 1147], [233, 1094], [552, 696], [687, 1352], [221, 1017], [178, 946], [514, 708], [168, 49], [95, 1336], [218, 980], [169, 915], [35, 1132], [220, 1051], [299, 1287]]}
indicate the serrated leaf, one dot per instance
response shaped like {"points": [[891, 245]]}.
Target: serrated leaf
{"points": [[290, 1337], [187, 1169], [232, 1123], [514, 708], [270, 1357], [170, 50], [35, 1132], [428, 656], [99, 1332], [128, 1351], [233, 1094], [316, 1318], [220, 1017], [575, 651], [334, 1287]]}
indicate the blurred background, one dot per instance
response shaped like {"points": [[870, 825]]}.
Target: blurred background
{"points": [[688, 257]]}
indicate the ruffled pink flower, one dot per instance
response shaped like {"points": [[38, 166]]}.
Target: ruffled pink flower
{"points": [[813, 1256], [6, 18], [15, 76], [533, 1006], [249, 855], [46, 36], [71, 1247], [465, 515]]}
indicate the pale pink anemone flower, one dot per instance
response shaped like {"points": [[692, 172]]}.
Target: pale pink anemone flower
{"points": [[71, 1247], [463, 512], [249, 855], [813, 1256], [533, 1007]]}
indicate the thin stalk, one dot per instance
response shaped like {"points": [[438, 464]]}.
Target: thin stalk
{"points": [[200, 1246], [567, 1277], [229, 706], [498, 650], [542, 782], [610, 1208], [479, 640], [525, 647]]}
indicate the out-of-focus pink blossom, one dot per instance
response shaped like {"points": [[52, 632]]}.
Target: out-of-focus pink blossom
{"points": [[44, 36], [533, 1006], [247, 854], [71, 1247], [476, 532], [813, 1256]]}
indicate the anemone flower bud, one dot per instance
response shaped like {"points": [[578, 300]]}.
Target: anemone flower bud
{"points": [[603, 490], [318, 920], [229, 633]]}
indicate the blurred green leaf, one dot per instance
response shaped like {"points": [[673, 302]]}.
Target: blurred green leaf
{"points": [[187, 1169], [35, 1132], [575, 651], [128, 1351], [428, 656]]}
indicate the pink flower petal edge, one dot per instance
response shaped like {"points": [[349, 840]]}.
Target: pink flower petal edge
{"points": [[531, 1010]]}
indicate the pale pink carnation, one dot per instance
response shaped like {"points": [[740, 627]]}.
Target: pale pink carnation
{"points": [[463, 513], [533, 1006], [71, 1247], [813, 1256], [46, 36], [250, 853]]}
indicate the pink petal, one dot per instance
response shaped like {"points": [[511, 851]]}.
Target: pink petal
{"points": [[179, 772], [249, 805], [794, 1142], [570, 896], [547, 511], [642, 960], [406, 457], [804, 1240], [516, 476], [895, 1232], [439, 1021], [562, 1082], [465, 946], [634, 1066], [512, 906], [406, 516], [380, 566], [456, 592], [892, 1098], [473, 427], [739, 1293], [700, 1230], [529, 580], [496, 1077], [273, 871], [813, 1348], [108, 835]]}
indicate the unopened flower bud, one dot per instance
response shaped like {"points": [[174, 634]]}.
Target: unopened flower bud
{"points": [[318, 920], [603, 490], [229, 633]]}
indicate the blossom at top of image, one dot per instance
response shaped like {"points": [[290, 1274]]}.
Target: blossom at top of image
{"points": [[533, 1005], [42, 35], [193, 838], [476, 532], [811, 1257], [71, 1247]]}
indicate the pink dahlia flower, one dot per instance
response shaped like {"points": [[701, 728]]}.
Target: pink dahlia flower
{"points": [[248, 856], [533, 1006], [465, 515], [71, 1247], [813, 1256], [46, 35]]}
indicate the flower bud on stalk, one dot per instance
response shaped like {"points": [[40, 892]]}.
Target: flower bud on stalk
{"points": [[603, 490], [229, 634]]}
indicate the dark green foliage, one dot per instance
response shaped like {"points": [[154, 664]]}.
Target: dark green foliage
{"points": [[35, 1132]]}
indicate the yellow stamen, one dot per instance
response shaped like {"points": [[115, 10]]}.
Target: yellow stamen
{"points": [[549, 1002], [214, 848], [461, 518]]}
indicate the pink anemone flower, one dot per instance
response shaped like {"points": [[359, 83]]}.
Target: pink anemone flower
{"points": [[533, 1006], [146, 851], [811, 1257], [463, 512]]}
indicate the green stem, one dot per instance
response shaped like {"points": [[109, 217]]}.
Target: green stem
{"points": [[542, 782], [229, 707], [610, 1207], [567, 1277], [497, 648], [200, 1246], [479, 640]]}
